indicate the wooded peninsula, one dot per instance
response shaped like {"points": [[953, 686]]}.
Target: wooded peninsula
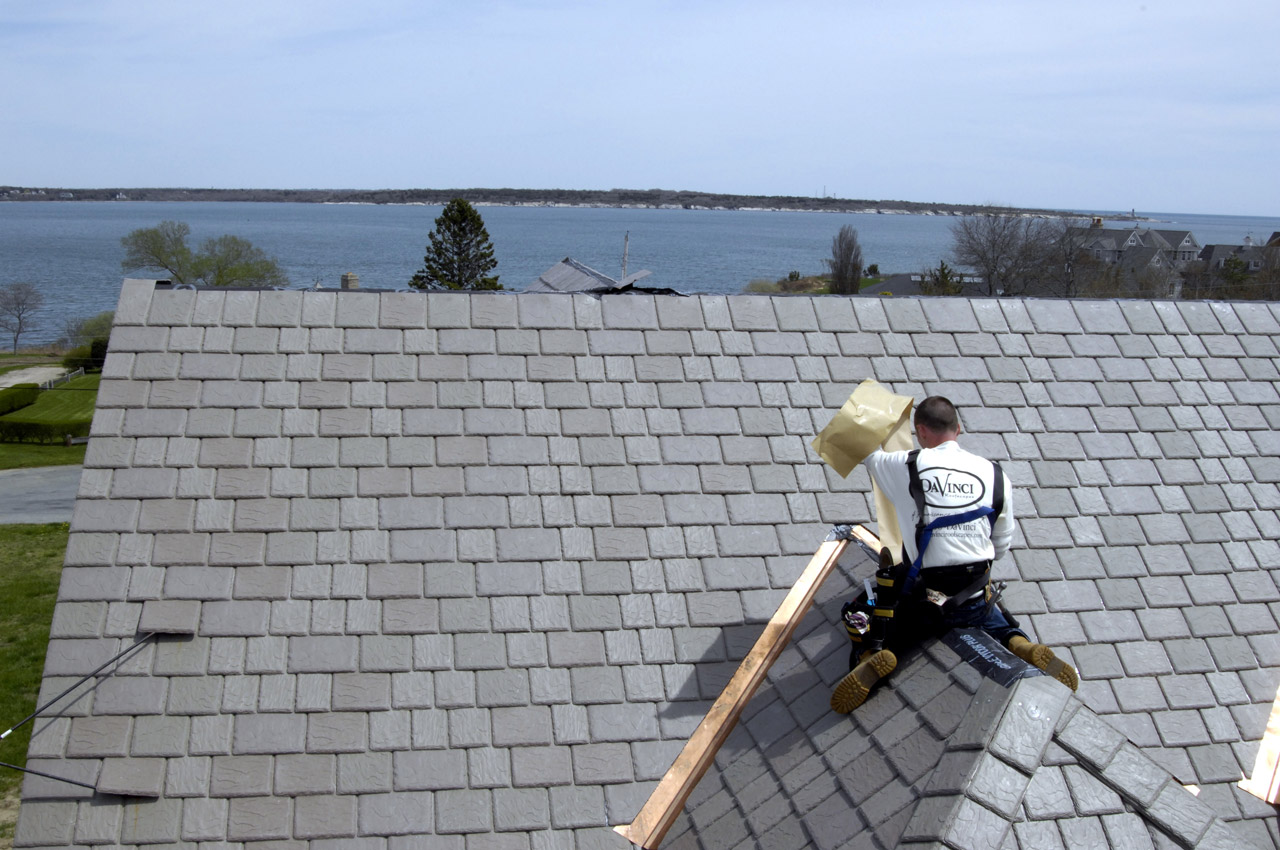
{"points": [[636, 198]]}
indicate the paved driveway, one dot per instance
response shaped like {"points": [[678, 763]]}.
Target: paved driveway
{"points": [[44, 494], [31, 375]]}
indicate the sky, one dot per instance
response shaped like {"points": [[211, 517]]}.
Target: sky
{"points": [[1156, 106]]}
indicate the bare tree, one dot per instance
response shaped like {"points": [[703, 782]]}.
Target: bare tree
{"points": [[1198, 281], [846, 262], [1006, 250], [1067, 270], [18, 305], [1268, 276], [82, 330], [1157, 281]]}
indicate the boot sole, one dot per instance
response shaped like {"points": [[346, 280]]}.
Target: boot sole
{"points": [[1043, 657], [853, 690]]}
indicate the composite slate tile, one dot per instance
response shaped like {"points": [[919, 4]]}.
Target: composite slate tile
{"points": [[752, 314], [1100, 317], [678, 635], [1142, 317], [1057, 317]]}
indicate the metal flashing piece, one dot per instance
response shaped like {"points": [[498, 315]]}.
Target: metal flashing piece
{"points": [[985, 654], [840, 532]]}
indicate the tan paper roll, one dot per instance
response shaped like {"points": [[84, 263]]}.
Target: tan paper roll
{"points": [[871, 418]]}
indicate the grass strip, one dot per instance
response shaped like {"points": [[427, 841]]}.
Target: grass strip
{"points": [[30, 567], [69, 402], [31, 455], [10, 362]]}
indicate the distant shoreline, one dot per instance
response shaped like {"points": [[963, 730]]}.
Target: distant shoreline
{"points": [[610, 199]]}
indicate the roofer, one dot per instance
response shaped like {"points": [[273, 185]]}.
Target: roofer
{"points": [[957, 508]]}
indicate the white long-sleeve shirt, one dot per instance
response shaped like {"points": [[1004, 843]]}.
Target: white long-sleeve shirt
{"points": [[954, 481]]}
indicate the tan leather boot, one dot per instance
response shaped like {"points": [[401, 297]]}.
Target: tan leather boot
{"points": [[1042, 656], [853, 690]]}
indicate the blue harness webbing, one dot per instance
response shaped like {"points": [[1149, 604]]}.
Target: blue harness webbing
{"points": [[924, 533]]}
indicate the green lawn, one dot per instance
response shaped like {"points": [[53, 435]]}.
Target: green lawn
{"points": [[28, 455], [30, 566], [69, 402], [811, 285]]}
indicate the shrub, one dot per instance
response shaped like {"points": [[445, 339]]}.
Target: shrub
{"points": [[801, 284], [40, 432], [940, 281], [67, 409], [17, 397], [88, 357], [76, 358]]}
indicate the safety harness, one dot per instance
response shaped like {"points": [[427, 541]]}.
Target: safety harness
{"points": [[924, 532], [895, 580]]}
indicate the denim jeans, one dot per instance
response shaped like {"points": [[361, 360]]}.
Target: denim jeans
{"points": [[976, 613], [917, 620]]}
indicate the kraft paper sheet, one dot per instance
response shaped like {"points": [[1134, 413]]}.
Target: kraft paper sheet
{"points": [[871, 418]]}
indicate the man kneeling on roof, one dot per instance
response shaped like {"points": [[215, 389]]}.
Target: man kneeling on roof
{"points": [[955, 513]]}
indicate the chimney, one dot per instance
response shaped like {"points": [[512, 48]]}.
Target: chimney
{"points": [[351, 280]]}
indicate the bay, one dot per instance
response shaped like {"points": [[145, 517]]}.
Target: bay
{"points": [[71, 250]]}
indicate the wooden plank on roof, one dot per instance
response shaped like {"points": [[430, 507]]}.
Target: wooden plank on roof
{"points": [[1264, 783], [667, 800]]}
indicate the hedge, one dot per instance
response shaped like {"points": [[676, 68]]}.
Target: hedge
{"points": [[41, 432], [17, 397], [88, 357]]}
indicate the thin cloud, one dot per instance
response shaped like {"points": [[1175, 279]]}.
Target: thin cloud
{"points": [[1093, 104]]}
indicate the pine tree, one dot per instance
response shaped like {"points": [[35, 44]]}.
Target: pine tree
{"points": [[460, 254]]}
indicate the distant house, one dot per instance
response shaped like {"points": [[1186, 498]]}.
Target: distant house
{"points": [[1139, 247], [1137, 260], [1250, 253], [569, 275]]}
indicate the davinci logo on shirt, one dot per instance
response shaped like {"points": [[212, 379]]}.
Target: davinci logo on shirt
{"points": [[951, 488]]}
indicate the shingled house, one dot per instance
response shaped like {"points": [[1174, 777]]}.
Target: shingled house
{"points": [[464, 571], [1113, 245]]}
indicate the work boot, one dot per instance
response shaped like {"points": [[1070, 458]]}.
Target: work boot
{"points": [[1042, 656], [853, 690]]}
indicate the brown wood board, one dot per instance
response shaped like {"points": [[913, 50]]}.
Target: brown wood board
{"points": [[1264, 783], [667, 800]]}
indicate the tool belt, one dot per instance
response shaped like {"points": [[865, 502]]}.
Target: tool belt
{"points": [[870, 618], [957, 583]]}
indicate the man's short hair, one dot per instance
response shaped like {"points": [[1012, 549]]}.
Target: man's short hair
{"points": [[937, 414]]}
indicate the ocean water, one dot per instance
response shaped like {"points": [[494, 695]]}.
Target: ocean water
{"points": [[71, 250]]}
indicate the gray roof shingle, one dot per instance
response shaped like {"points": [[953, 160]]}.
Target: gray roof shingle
{"points": [[466, 570]]}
